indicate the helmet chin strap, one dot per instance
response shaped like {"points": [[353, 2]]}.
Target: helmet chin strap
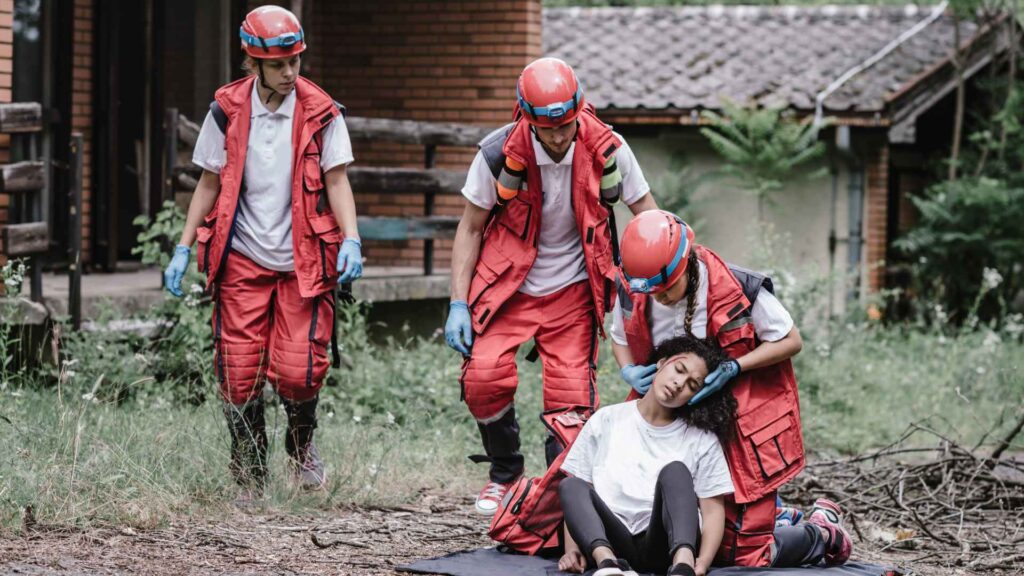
{"points": [[259, 65]]}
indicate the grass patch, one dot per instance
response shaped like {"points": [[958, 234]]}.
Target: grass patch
{"points": [[393, 424], [861, 387]]}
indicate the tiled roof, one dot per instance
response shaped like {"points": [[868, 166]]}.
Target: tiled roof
{"points": [[691, 57]]}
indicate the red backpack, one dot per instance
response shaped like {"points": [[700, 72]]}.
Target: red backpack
{"points": [[530, 515]]}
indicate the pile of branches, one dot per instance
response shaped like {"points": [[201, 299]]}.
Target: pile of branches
{"points": [[931, 495]]}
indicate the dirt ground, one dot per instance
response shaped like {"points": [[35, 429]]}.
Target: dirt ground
{"points": [[346, 541]]}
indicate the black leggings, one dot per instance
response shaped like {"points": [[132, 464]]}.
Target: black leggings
{"points": [[674, 525], [799, 545], [674, 521]]}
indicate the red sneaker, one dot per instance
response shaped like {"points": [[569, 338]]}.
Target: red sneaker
{"points": [[490, 497], [838, 545]]}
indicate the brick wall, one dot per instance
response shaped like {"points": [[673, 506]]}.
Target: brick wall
{"points": [[82, 108], [454, 61], [876, 216], [6, 66]]}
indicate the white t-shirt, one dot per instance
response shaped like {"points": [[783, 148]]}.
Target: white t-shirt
{"points": [[264, 227], [559, 260], [770, 318], [621, 454]]}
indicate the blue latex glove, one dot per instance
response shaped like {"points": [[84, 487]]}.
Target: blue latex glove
{"points": [[458, 330], [176, 269], [350, 261], [639, 377], [719, 377]]}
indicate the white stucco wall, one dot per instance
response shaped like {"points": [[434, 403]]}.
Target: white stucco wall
{"points": [[725, 217]]}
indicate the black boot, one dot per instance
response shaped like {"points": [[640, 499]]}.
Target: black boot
{"points": [[305, 459], [248, 428], [501, 442]]}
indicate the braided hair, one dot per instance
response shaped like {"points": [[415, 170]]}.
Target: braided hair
{"points": [[692, 281]]}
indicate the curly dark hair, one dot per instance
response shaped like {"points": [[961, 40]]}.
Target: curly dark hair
{"points": [[717, 412]]}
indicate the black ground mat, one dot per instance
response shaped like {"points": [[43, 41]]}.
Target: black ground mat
{"points": [[491, 562]]}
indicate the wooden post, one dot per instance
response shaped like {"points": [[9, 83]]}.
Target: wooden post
{"points": [[35, 207], [170, 153], [430, 158], [75, 233]]}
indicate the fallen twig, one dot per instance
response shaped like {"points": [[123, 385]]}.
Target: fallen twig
{"points": [[336, 542]]}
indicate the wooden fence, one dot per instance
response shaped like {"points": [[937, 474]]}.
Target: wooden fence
{"points": [[26, 233], [428, 180]]}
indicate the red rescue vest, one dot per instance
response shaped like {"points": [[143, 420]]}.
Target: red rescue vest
{"points": [[316, 236], [767, 449], [510, 238]]}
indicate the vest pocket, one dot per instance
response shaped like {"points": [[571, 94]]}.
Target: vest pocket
{"points": [[775, 445], [738, 329], [203, 235], [312, 177], [329, 239], [489, 268], [516, 216]]}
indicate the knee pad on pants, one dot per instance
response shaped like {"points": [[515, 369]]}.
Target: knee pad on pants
{"points": [[297, 368], [566, 386], [239, 366], [489, 386]]}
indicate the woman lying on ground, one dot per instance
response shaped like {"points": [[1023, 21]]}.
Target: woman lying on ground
{"points": [[649, 478]]}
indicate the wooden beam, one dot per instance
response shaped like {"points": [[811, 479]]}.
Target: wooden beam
{"points": [[412, 228], [414, 132], [26, 239], [186, 182], [406, 180], [21, 117], [22, 176], [379, 180], [188, 132]]}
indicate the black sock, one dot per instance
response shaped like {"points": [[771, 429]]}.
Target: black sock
{"points": [[608, 563], [681, 570]]}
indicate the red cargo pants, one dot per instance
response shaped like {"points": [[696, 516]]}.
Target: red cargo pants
{"points": [[262, 326], [562, 325]]}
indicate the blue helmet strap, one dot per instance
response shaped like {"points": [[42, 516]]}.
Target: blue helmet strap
{"points": [[553, 111], [285, 40]]}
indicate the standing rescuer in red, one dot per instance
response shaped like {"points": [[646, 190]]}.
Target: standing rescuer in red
{"points": [[533, 259], [275, 222]]}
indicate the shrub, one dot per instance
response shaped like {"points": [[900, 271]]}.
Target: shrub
{"points": [[967, 248]]}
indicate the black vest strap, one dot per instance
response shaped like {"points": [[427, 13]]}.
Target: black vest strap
{"points": [[623, 293], [220, 118], [751, 281], [492, 147]]}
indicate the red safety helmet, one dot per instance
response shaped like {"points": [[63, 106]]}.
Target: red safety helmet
{"points": [[548, 93], [271, 32], [655, 249]]}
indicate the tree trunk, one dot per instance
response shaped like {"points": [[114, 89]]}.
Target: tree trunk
{"points": [[958, 116]]}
